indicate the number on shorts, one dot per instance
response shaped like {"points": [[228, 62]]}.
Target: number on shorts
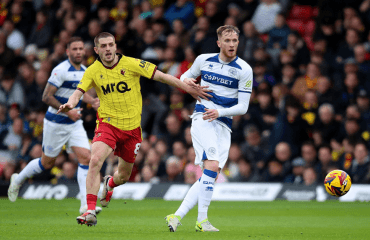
{"points": [[137, 147]]}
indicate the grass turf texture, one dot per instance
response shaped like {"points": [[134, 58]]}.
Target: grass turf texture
{"points": [[53, 219]]}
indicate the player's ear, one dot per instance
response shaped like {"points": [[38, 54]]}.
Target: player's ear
{"points": [[219, 43], [96, 50]]}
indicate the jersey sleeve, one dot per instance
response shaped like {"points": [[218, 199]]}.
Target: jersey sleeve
{"points": [[86, 82], [143, 68], [56, 78], [246, 81]]}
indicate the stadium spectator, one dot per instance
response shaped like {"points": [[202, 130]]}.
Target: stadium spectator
{"points": [[12, 141], [278, 37], [246, 173], [306, 82], [249, 42], [254, 147], [309, 154], [325, 161], [264, 16], [147, 175], [41, 30], [69, 173], [326, 122], [183, 10], [296, 177], [289, 127], [173, 171], [15, 38], [274, 172], [359, 170], [309, 177], [11, 91]]}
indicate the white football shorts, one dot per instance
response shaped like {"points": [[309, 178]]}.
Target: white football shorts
{"points": [[211, 140], [55, 135]]}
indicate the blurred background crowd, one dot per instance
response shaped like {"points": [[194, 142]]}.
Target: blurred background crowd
{"points": [[309, 112]]}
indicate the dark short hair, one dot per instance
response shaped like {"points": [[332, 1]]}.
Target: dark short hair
{"points": [[227, 28], [74, 39], [102, 35]]}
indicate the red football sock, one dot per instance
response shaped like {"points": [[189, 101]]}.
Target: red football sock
{"points": [[111, 183], [91, 201]]}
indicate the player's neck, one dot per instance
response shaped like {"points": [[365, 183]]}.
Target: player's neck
{"points": [[76, 66], [110, 64], [226, 59]]}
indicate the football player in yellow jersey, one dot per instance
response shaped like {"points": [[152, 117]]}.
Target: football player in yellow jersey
{"points": [[116, 80]]}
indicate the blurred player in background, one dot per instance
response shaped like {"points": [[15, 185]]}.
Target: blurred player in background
{"points": [[64, 128], [116, 79], [230, 79]]}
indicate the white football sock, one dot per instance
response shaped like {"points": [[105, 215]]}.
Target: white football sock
{"points": [[81, 179], [207, 182], [190, 200], [32, 168]]}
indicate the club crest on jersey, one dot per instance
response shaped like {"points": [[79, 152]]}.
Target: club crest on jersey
{"points": [[101, 76], [232, 72], [123, 71], [210, 66]]}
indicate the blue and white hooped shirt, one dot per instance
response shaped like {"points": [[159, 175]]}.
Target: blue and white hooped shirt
{"points": [[66, 78], [226, 80]]}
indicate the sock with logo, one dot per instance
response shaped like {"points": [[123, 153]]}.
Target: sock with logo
{"points": [[81, 179], [190, 200], [32, 168], [207, 182]]}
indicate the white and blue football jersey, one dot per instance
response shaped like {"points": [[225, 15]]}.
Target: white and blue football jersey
{"points": [[66, 78], [226, 80]]}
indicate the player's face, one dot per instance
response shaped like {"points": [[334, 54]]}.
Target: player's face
{"points": [[76, 52], [106, 49], [228, 44]]}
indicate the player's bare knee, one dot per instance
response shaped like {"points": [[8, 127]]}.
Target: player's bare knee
{"points": [[48, 162], [85, 159], [211, 165], [95, 161]]}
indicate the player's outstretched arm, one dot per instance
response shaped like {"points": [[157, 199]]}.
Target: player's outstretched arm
{"points": [[95, 102], [195, 92], [72, 102]]}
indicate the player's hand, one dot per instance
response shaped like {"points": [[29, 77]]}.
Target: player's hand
{"points": [[200, 92], [75, 114], [191, 82], [65, 108], [210, 114], [96, 104]]}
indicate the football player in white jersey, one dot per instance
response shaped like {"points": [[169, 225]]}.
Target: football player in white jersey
{"points": [[230, 79], [63, 128]]}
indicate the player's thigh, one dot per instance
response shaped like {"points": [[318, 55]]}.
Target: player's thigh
{"points": [[47, 162], [224, 143], [129, 145], [54, 137], [99, 152], [205, 138]]}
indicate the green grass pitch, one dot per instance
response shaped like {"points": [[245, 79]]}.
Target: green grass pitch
{"points": [[56, 219]]}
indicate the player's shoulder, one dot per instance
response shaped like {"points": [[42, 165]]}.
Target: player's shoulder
{"points": [[244, 66], [95, 66], [208, 56], [63, 66]]}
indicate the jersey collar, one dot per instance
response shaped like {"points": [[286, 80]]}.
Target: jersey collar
{"points": [[119, 58]]}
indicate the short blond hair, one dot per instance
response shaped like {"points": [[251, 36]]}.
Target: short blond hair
{"points": [[227, 28]]}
